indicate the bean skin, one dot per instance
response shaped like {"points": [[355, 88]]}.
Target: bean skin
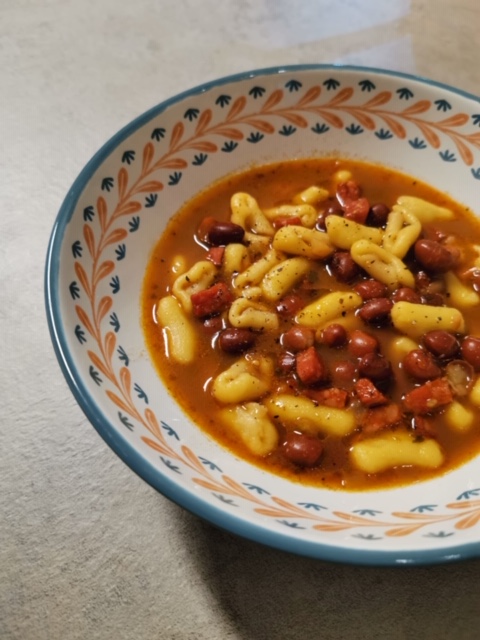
{"points": [[470, 349], [298, 338], [419, 365], [343, 266], [335, 335], [333, 208], [378, 214], [344, 374], [301, 449], [406, 294], [236, 340], [376, 311], [371, 288], [224, 232], [360, 343], [286, 362], [375, 367], [433, 256], [441, 344], [290, 305]]}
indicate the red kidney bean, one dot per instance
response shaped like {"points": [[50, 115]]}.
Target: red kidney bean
{"points": [[298, 338], [286, 362], [433, 299], [343, 266], [376, 311], [460, 376], [442, 344], [344, 374], [375, 367], [332, 207], [360, 343], [213, 324], [419, 365], [406, 294], [470, 349], [422, 280], [433, 256], [236, 340], [224, 232], [370, 288], [302, 449], [335, 335], [290, 305], [378, 214]]}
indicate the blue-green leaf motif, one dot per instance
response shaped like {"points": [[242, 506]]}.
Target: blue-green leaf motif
{"points": [[80, 333], [134, 224], [384, 134], [208, 463], [140, 393], [367, 85], [224, 499], [367, 536], [256, 489], [88, 214], [367, 512], [320, 128], [467, 495], [199, 159], [229, 146], [114, 322], [191, 114], [74, 290], [417, 143], [107, 184], [77, 249], [287, 130], [293, 85], [312, 505], [123, 356], [476, 119], [169, 430], [331, 84], [443, 105], [291, 525], [438, 534], [168, 463], [121, 251], [128, 156], [447, 156], [354, 129], [174, 178], [151, 200], [424, 508], [223, 100], [404, 93], [158, 134], [95, 375], [476, 173], [256, 92], [255, 137], [125, 421], [115, 284]]}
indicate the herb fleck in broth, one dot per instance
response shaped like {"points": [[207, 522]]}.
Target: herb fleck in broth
{"points": [[452, 422]]}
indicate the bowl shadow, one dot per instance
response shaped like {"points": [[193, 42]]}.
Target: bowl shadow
{"points": [[269, 594]]}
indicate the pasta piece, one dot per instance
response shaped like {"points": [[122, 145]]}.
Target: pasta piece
{"points": [[459, 417], [245, 380], [311, 195], [300, 241], [235, 259], [197, 278], [304, 414], [179, 265], [329, 308], [414, 320], [343, 232], [342, 175], [247, 213], [474, 395], [251, 424], [397, 349], [249, 314], [178, 331], [395, 449], [423, 210], [257, 245], [401, 231], [381, 264], [460, 294], [283, 277], [306, 213], [255, 272]]}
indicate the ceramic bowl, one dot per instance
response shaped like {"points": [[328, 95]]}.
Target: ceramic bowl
{"points": [[114, 214]]}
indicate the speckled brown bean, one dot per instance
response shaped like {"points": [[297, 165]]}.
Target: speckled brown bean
{"points": [[376, 311], [225, 232], [361, 343], [335, 335], [371, 288], [406, 294], [343, 266], [433, 256], [286, 362], [442, 344], [419, 365], [470, 349], [298, 338], [344, 374], [378, 214], [236, 340], [375, 367], [301, 449]]}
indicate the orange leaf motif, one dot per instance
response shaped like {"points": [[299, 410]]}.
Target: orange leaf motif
{"points": [[429, 134], [331, 118], [266, 127], [364, 119], [311, 95], [104, 307], [122, 182], [126, 380], [85, 320], [454, 121], [128, 208], [153, 423], [99, 364], [110, 342], [192, 458], [177, 135], [174, 163], [379, 100], [154, 445], [148, 153], [116, 236], [419, 107], [102, 212], [82, 276], [396, 128], [104, 270], [342, 96], [465, 152], [148, 187], [89, 239], [119, 402], [295, 118], [206, 146], [272, 100], [230, 132], [237, 107], [203, 121]]}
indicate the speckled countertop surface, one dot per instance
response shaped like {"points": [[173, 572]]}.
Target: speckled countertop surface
{"points": [[88, 550]]}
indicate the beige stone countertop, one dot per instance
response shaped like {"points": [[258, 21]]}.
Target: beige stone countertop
{"points": [[88, 550]]}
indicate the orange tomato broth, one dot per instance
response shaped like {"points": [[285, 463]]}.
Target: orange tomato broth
{"points": [[274, 185]]}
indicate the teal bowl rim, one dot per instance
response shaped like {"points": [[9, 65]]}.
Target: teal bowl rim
{"points": [[120, 445]]}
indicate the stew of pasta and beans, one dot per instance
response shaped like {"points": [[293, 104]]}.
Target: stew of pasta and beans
{"points": [[321, 319]]}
